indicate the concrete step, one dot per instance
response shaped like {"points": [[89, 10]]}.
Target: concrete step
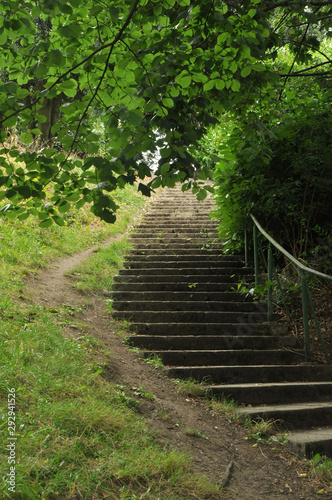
{"points": [[195, 241], [292, 416], [191, 305], [121, 284], [310, 442], [176, 235], [207, 317], [239, 329], [177, 246], [210, 232], [192, 281], [195, 215], [172, 263], [169, 342], [180, 253], [253, 373], [203, 259], [229, 357], [188, 295], [192, 272], [160, 226], [280, 393]]}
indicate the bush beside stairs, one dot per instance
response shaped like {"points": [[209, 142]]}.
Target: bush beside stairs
{"points": [[178, 290]]}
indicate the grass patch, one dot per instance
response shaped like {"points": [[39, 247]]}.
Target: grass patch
{"points": [[322, 470], [97, 272], [25, 247], [191, 387], [190, 431], [222, 405], [77, 434]]}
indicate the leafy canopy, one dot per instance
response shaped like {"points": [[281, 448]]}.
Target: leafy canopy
{"points": [[152, 74]]}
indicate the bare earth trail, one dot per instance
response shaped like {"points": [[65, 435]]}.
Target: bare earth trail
{"points": [[249, 473]]}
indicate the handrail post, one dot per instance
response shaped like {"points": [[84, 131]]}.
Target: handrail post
{"points": [[305, 313], [246, 248], [255, 254], [269, 277]]}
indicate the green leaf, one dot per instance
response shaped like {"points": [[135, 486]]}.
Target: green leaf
{"points": [[58, 220], [135, 117], [63, 207], [26, 138], [165, 168], [9, 122], [209, 85], [235, 85], [46, 223], [220, 84], [246, 71], [201, 195], [65, 8], [169, 103], [3, 36], [184, 81], [145, 190], [23, 216]]}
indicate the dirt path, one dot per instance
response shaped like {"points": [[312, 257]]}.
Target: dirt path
{"points": [[223, 454]]}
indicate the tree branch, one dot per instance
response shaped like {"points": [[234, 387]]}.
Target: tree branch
{"points": [[323, 73], [111, 46], [87, 58], [311, 67], [293, 63]]}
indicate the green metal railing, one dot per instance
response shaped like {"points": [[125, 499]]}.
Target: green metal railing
{"points": [[304, 270]]}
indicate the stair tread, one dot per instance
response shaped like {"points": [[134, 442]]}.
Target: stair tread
{"points": [[312, 435], [270, 384], [290, 406]]}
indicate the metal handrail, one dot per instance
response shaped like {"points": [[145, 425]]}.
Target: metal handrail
{"points": [[306, 300], [288, 255]]}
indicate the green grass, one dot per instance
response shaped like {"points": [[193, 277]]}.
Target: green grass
{"points": [[97, 272], [25, 247], [78, 435], [191, 387]]}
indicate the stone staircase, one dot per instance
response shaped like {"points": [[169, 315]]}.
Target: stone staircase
{"points": [[178, 290]]}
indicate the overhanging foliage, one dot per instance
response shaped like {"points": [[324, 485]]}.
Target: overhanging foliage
{"points": [[136, 69]]}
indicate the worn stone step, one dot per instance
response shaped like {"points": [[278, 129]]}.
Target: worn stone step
{"points": [[121, 284], [189, 295], [191, 280], [235, 329], [192, 272], [190, 316], [253, 373], [159, 226], [180, 253], [195, 215], [189, 305], [296, 415], [228, 357], [310, 442], [179, 230], [181, 236], [188, 241], [280, 393], [163, 342], [191, 246], [171, 263], [147, 258]]}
